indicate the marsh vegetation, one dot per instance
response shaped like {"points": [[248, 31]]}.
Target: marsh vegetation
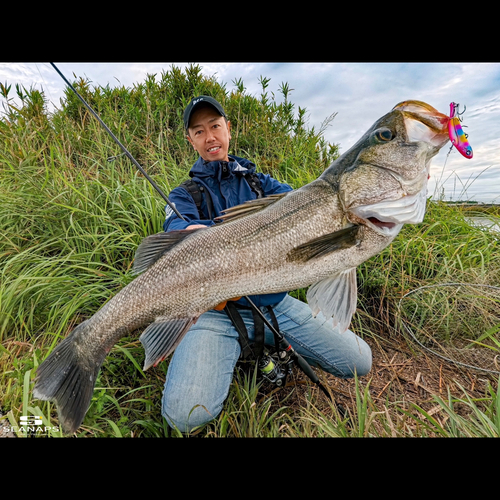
{"points": [[73, 210]]}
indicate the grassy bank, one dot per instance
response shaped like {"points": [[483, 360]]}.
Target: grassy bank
{"points": [[73, 211]]}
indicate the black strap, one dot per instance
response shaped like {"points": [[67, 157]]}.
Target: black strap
{"points": [[255, 349], [237, 320], [210, 205], [196, 190], [258, 334], [276, 327], [255, 184]]}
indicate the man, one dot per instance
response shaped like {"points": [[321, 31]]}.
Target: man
{"points": [[201, 369]]}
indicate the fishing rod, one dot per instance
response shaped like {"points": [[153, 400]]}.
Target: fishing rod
{"points": [[290, 353], [124, 149]]}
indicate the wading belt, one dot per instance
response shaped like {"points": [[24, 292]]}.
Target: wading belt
{"points": [[249, 349]]}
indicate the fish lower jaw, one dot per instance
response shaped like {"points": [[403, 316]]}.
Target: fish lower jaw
{"points": [[383, 227], [386, 228], [388, 216]]}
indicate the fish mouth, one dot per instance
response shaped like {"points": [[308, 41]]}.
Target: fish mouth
{"points": [[395, 155], [385, 228], [424, 123], [388, 216]]}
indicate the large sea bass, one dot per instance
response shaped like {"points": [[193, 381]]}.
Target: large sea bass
{"points": [[315, 235]]}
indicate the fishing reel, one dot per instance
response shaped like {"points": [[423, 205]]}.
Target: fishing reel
{"points": [[276, 367]]}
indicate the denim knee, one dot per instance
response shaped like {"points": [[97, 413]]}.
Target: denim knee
{"points": [[185, 417], [363, 365], [360, 359], [200, 372]]}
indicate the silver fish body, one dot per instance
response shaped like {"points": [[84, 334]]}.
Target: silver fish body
{"points": [[316, 235]]}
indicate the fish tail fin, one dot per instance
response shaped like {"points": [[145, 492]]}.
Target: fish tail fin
{"points": [[68, 377]]}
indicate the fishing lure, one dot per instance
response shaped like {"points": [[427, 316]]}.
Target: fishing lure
{"points": [[456, 133]]}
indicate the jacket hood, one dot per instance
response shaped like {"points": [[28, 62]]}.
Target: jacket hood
{"points": [[219, 170]]}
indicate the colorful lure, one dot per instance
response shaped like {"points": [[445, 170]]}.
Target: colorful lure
{"points": [[457, 135]]}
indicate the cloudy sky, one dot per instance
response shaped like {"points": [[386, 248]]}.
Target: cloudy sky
{"points": [[359, 92]]}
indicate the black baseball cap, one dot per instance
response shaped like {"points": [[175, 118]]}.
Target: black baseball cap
{"points": [[196, 101]]}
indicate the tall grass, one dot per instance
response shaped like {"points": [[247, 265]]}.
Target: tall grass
{"points": [[73, 210]]}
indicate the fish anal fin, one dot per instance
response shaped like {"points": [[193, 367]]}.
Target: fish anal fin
{"points": [[249, 207], [318, 247], [335, 297], [154, 246], [161, 338]]}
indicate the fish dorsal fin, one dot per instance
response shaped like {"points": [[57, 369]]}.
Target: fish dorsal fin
{"points": [[154, 246], [160, 338], [331, 242], [335, 297], [249, 207]]}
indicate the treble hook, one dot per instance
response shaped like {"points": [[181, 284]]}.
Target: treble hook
{"points": [[455, 111]]}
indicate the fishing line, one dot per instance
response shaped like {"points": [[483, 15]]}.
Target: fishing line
{"points": [[306, 368], [439, 181], [123, 148], [460, 326], [46, 86]]}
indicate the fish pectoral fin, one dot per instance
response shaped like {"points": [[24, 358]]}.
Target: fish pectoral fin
{"points": [[318, 247], [154, 246], [161, 338], [249, 207], [335, 297]]}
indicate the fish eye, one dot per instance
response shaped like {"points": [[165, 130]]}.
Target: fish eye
{"points": [[383, 135]]}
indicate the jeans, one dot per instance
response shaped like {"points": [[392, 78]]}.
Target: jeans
{"points": [[201, 369]]}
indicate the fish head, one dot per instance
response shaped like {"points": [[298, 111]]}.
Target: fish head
{"points": [[382, 179]]}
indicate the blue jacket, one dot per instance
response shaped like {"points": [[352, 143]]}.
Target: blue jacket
{"points": [[228, 187]]}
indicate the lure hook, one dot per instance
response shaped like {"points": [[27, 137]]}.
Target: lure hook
{"points": [[457, 136], [456, 111]]}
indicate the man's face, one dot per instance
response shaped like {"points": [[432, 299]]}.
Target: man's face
{"points": [[209, 134]]}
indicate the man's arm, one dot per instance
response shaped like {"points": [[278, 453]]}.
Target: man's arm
{"points": [[272, 186], [187, 207]]}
